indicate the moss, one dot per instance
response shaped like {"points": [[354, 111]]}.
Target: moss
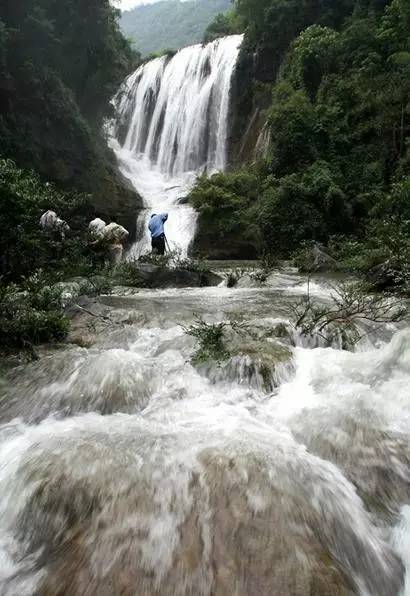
{"points": [[268, 353]]}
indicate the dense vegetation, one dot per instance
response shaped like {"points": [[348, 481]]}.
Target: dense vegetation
{"points": [[170, 24], [338, 164], [60, 63], [23, 198]]}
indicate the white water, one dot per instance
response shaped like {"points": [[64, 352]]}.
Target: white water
{"points": [[171, 125], [124, 470]]}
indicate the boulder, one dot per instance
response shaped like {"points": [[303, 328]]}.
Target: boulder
{"points": [[382, 276], [154, 276], [315, 259], [209, 243], [262, 365]]}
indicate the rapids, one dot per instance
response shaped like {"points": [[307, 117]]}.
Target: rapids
{"points": [[126, 470], [171, 124]]}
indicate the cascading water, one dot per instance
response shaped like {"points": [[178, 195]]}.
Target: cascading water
{"points": [[170, 125], [126, 470]]}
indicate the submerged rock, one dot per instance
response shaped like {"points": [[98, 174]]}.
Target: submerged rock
{"points": [[262, 365], [188, 511]]}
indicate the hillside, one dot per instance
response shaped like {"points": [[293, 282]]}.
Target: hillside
{"points": [[60, 64], [170, 24]]}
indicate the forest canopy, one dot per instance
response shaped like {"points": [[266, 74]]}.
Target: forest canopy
{"points": [[60, 63]]}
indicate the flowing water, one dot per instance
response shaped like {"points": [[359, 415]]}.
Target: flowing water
{"points": [[171, 125], [124, 469]]}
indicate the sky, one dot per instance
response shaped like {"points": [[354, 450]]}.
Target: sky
{"points": [[127, 4]]}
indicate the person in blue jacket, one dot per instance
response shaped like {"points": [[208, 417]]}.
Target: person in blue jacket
{"points": [[156, 227]]}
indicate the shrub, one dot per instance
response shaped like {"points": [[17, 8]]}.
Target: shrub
{"points": [[30, 313], [300, 207], [23, 199], [382, 257], [340, 320], [127, 274], [211, 341]]}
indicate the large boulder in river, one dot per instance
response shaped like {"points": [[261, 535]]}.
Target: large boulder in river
{"points": [[122, 505], [154, 276], [262, 365]]}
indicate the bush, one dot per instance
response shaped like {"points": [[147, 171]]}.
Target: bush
{"points": [[341, 321], [23, 199], [225, 203], [228, 23], [384, 256], [211, 341], [300, 207], [31, 313]]}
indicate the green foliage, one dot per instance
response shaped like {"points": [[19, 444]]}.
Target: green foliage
{"points": [[23, 199], [305, 206], [30, 313], [313, 56], [170, 23], [162, 261], [125, 274], [225, 203], [339, 124], [60, 63], [228, 23], [384, 255], [293, 124], [211, 341]]}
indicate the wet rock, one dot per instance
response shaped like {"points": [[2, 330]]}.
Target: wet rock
{"points": [[249, 280], [248, 516], [153, 276], [315, 259], [262, 365], [82, 339], [377, 462], [78, 381], [283, 331], [384, 276]]}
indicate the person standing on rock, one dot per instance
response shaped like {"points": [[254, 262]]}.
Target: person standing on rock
{"points": [[156, 227]]}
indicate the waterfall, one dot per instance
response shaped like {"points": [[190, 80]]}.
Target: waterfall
{"points": [[171, 124]]}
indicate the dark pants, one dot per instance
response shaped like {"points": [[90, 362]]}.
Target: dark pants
{"points": [[158, 245]]}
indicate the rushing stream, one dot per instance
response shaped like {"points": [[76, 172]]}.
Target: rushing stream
{"points": [[126, 470]]}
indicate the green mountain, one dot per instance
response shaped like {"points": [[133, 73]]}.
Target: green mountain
{"points": [[170, 24]]}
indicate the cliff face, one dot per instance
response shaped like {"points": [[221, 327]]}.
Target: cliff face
{"points": [[117, 200], [251, 96]]}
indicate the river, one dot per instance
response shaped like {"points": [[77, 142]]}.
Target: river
{"points": [[125, 469]]}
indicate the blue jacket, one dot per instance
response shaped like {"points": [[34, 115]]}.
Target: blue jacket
{"points": [[156, 224]]}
